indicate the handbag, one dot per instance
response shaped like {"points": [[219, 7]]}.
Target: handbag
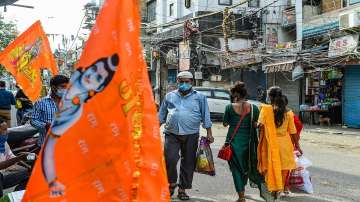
{"points": [[226, 152]]}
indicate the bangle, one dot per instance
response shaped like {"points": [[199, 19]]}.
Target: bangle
{"points": [[52, 182]]}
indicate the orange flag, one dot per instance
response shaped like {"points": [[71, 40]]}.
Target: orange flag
{"points": [[105, 144], [26, 56]]}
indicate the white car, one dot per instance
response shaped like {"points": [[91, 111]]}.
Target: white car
{"points": [[217, 99]]}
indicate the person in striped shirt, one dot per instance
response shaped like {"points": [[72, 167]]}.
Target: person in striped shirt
{"points": [[44, 109]]}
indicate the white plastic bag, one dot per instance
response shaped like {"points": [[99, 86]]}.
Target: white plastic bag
{"points": [[307, 186], [300, 177], [303, 162]]}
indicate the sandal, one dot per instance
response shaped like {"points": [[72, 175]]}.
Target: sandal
{"points": [[183, 196], [172, 189], [241, 200]]}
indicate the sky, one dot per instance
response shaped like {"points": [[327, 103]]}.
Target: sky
{"points": [[56, 16]]}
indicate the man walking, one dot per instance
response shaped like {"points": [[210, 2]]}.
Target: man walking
{"points": [[182, 111], [44, 109], [6, 100]]}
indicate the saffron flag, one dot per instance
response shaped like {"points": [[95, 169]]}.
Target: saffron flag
{"points": [[104, 144], [26, 56]]}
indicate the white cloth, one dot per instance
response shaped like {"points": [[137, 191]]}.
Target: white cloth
{"points": [[16, 196], [7, 154]]}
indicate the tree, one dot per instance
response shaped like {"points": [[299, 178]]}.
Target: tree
{"points": [[8, 33]]}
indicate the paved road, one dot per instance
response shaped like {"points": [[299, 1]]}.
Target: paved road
{"points": [[335, 171]]}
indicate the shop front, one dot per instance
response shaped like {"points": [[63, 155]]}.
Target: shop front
{"points": [[323, 89], [280, 74], [351, 99], [332, 91]]}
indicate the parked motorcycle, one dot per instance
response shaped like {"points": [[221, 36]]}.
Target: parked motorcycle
{"points": [[22, 138]]}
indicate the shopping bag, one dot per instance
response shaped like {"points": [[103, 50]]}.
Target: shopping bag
{"points": [[300, 179], [204, 158], [18, 104]]}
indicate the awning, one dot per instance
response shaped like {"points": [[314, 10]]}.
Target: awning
{"points": [[287, 66]]}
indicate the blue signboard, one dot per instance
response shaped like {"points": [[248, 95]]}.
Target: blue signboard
{"points": [[354, 2], [321, 29]]}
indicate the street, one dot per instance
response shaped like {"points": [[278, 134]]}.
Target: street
{"points": [[335, 172]]}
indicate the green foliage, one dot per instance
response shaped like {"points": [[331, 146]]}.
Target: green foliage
{"points": [[8, 33]]}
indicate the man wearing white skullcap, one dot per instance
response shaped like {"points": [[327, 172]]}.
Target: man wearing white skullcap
{"points": [[182, 112]]}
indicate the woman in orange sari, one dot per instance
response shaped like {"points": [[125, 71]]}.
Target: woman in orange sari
{"points": [[277, 140]]}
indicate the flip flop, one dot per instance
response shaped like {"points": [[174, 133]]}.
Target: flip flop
{"points": [[183, 196], [172, 189]]}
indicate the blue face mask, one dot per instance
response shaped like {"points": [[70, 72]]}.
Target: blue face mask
{"points": [[183, 87], [60, 92]]}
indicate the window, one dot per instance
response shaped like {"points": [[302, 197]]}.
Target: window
{"points": [[207, 93], [151, 11], [171, 9], [225, 2], [222, 95], [254, 3], [187, 3]]}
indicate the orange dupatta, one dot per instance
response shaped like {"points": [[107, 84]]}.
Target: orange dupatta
{"points": [[269, 163]]}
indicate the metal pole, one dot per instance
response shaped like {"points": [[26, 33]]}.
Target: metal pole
{"points": [[200, 59], [299, 23]]}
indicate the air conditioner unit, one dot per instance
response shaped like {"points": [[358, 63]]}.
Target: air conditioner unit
{"points": [[349, 20]]}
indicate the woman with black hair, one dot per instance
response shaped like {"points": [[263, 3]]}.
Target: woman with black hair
{"points": [[241, 117], [276, 150]]}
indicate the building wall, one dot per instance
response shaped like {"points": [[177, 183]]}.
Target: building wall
{"points": [[272, 19], [212, 5], [162, 8], [273, 13], [320, 24], [235, 44]]}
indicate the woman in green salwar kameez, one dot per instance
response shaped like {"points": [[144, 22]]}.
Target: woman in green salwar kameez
{"points": [[242, 161]]}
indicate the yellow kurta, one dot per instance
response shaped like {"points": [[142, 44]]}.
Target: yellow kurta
{"points": [[285, 144], [275, 150]]}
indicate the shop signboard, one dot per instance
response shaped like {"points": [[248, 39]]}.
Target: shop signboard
{"points": [[314, 30], [343, 45], [354, 2], [286, 66], [184, 56]]}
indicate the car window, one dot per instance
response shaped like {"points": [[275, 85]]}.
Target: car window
{"points": [[207, 93], [222, 95]]}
